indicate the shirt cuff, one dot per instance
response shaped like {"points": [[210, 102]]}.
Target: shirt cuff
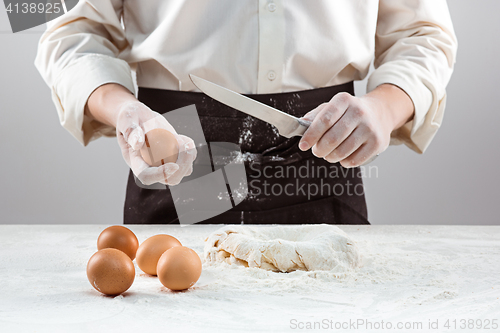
{"points": [[418, 133], [76, 82]]}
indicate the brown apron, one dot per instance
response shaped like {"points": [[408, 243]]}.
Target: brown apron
{"points": [[286, 185]]}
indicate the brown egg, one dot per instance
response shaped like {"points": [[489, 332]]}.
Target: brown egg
{"points": [[151, 250], [160, 147], [179, 268], [118, 237], [110, 271]]}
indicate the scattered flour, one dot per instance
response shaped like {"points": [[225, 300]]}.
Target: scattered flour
{"points": [[246, 133], [406, 273]]}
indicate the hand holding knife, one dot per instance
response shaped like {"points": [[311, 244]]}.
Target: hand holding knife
{"points": [[287, 125]]}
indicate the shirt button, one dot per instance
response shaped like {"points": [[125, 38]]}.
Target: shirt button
{"points": [[271, 75], [271, 6]]}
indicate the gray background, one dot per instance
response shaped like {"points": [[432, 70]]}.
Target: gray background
{"points": [[48, 177]]}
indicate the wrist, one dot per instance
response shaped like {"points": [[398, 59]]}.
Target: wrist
{"points": [[393, 104], [105, 103]]}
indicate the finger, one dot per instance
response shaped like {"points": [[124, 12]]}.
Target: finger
{"points": [[188, 142], [325, 119], [124, 147], [121, 140], [334, 137], [349, 146], [312, 114], [169, 169], [137, 163], [173, 181], [190, 171], [176, 178], [184, 157], [194, 153], [187, 155], [190, 147], [161, 174], [360, 156], [187, 152]]}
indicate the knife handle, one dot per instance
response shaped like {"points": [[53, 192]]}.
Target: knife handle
{"points": [[303, 126]]}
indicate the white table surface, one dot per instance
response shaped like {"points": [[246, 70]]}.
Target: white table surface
{"points": [[410, 274]]}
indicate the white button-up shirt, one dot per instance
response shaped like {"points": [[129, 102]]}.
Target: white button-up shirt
{"points": [[250, 46]]}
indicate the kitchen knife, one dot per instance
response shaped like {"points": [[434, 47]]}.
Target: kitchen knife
{"points": [[286, 124]]}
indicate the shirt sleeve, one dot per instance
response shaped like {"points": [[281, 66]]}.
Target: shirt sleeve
{"points": [[77, 54], [415, 49]]}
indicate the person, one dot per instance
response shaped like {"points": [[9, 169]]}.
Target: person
{"points": [[298, 56]]}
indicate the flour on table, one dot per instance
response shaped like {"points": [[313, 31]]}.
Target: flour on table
{"points": [[283, 248]]}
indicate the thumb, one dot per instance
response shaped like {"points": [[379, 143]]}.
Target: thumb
{"points": [[136, 138]]}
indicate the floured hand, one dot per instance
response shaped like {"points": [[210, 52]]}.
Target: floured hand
{"points": [[133, 121]]}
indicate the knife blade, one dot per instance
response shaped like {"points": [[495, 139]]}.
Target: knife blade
{"points": [[286, 124]]}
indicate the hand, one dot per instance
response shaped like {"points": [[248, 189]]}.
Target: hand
{"points": [[134, 119], [351, 130]]}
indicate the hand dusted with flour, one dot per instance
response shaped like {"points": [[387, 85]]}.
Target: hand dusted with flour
{"points": [[284, 248]]}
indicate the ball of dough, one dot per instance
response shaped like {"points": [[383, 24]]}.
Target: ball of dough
{"points": [[284, 248]]}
